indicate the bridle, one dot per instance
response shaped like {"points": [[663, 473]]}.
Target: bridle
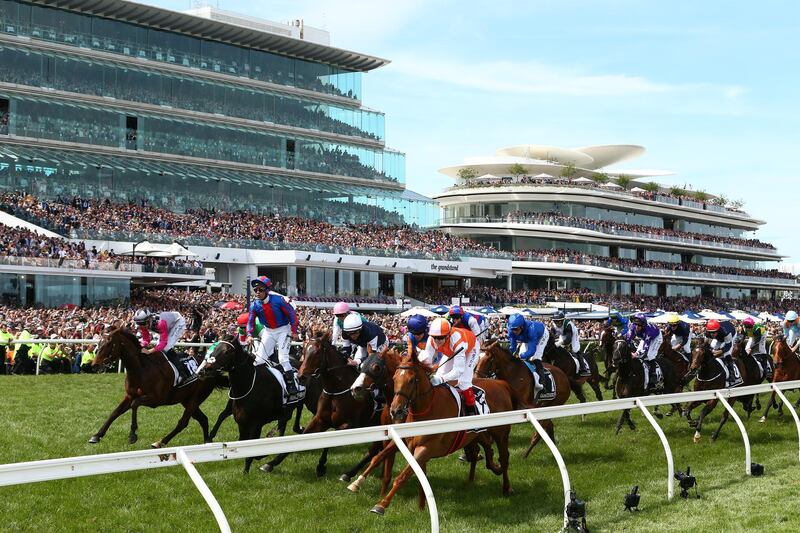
{"points": [[491, 372], [324, 365], [237, 363], [410, 400]]}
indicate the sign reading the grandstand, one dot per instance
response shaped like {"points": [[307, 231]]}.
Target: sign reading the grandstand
{"points": [[445, 267]]}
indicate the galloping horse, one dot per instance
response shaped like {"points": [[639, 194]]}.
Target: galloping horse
{"points": [[561, 358], [337, 408], [607, 337], [498, 362], [630, 378], [787, 368], [709, 375], [256, 395], [416, 399], [149, 383], [679, 362]]}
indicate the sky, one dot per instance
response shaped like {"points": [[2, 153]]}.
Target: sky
{"points": [[709, 88]]}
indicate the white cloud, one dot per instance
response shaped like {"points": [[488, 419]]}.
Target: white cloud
{"points": [[531, 77]]}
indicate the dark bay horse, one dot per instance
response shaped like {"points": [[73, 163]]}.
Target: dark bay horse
{"points": [[149, 382], [679, 362], [498, 362], [787, 368], [709, 375], [256, 396], [561, 358], [337, 408], [607, 338], [416, 399], [630, 378]]}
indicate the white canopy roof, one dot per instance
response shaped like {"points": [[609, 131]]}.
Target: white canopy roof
{"points": [[581, 179], [418, 311]]}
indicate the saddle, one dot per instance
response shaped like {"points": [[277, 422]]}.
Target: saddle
{"points": [[277, 372], [737, 376], [480, 400], [546, 388]]}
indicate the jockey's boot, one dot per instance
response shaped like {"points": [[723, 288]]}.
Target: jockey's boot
{"points": [[469, 402], [544, 378], [584, 369], [653, 374], [380, 399], [291, 384], [728, 360], [184, 376]]}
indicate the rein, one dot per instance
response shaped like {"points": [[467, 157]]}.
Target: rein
{"points": [[416, 393]]}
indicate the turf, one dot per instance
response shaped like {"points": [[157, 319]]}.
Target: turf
{"points": [[53, 416]]}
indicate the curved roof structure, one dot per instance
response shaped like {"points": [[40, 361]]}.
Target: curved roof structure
{"points": [[165, 19], [608, 154], [548, 153]]}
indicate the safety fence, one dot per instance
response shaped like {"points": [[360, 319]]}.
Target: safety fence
{"points": [[187, 456]]}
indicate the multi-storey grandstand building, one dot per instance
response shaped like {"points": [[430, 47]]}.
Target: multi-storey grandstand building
{"points": [[207, 109], [574, 222]]}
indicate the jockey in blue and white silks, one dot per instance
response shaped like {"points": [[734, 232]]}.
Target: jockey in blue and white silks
{"points": [[569, 337], [535, 336], [647, 334], [477, 324]]}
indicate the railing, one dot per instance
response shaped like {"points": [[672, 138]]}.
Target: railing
{"points": [[605, 230], [109, 266], [187, 456]]}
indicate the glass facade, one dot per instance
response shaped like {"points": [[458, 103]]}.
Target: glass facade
{"points": [[115, 37], [39, 290], [70, 122], [127, 83]]}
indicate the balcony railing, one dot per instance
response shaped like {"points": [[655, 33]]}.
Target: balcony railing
{"points": [[607, 231], [109, 266]]}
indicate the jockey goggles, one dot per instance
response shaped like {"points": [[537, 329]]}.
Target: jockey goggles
{"points": [[438, 337]]}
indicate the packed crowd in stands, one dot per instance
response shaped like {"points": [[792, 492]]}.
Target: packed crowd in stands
{"points": [[607, 226], [662, 195]]}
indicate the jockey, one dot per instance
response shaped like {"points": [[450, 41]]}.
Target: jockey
{"points": [[791, 331], [417, 337], [340, 311], [535, 336], [477, 324], [756, 337], [241, 328], [681, 334], [650, 339], [721, 336], [280, 325], [617, 321], [170, 327], [365, 337], [459, 356], [569, 337]]}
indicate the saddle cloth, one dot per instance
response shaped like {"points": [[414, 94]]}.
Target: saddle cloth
{"points": [[188, 362], [542, 394], [480, 400], [301, 391], [658, 383], [737, 377]]}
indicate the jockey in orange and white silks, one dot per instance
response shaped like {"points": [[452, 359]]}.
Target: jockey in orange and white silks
{"points": [[458, 358]]}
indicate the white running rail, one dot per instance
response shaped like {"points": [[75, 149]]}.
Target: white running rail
{"points": [[187, 456]]}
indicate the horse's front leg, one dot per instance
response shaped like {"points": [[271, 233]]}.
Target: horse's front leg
{"points": [[133, 437], [123, 406], [228, 411]]}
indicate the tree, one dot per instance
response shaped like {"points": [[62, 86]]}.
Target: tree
{"points": [[700, 196], [677, 191], [467, 173], [600, 178], [568, 171], [516, 170], [651, 187], [721, 200], [737, 205], [624, 181]]}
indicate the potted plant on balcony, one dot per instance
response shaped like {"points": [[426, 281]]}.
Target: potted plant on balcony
{"points": [[516, 170]]}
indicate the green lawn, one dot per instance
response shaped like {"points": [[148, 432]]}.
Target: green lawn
{"points": [[53, 416]]}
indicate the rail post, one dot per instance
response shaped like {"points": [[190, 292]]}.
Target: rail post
{"points": [[423, 479], [665, 444], [208, 496], [739, 423], [791, 409], [562, 467]]}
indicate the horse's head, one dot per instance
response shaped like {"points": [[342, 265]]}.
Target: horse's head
{"points": [[316, 354], [112, 344], [227, 354], [700, 352], [407, 379], [621, 352], [487, 363], [780, 350], [374, 373]]}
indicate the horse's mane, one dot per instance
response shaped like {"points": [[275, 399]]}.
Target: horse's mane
{"points": [[127, 334]]}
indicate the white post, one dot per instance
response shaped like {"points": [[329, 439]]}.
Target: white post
{"points": [[423, 479], [667, 450], [739, 423], [119, 366], [212, 502], [790, 407], [559, 460], [38, 362]]}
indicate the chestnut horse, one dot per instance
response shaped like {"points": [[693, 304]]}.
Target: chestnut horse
{"points": [[498, 362], [709, 375], [149, 382], [787, 368], [561, 358], [630, 378], [416, 399], [337, 408]]}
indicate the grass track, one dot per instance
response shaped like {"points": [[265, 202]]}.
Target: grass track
{"points": [[53, 416]]}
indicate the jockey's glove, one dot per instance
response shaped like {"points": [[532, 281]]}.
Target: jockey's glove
{"points": [[436, 380]]}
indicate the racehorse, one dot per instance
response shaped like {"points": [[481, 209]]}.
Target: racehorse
{"points": [[149, 383], [416, 399], [709, 375], [787, 368], [561, 358], [679, 362], [498, 362], [337, 408], [607, 337], [255, 395], [630, 378]]}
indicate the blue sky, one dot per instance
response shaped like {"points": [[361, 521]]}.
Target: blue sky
{"points": [[709, 88]]}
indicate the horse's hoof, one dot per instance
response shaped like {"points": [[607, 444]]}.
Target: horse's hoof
{"points": [[378, 510], [156, 445], [267, 468], [94, 440], [299, 429], [344, 477], [353, 487], [762, 419], [696, 438], [321, 470], [714, 438], [508, 492], [132, 439], [271, 433]]}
